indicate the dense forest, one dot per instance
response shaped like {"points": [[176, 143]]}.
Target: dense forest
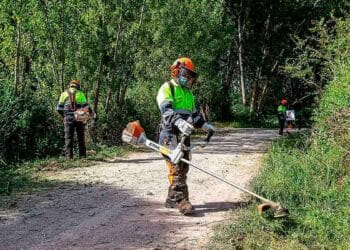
{"points": [[249, 55]]}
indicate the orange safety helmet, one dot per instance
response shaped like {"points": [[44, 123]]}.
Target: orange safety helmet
{"points": [[284, 102], [183, 62], [74, 83]]}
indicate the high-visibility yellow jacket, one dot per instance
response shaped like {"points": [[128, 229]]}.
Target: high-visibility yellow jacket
{"points": [[176, 101], [281, 112], [281, 109], [65, 107]]}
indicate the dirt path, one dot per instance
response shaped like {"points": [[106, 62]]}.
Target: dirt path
{"points": [[119, 204]]}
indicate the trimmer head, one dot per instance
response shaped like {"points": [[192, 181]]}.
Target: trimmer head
{"points": [[278, 210], [281, 212]]}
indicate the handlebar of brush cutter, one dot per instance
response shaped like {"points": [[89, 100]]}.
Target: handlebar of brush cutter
{"points": [[205, 142], [176, 154]]}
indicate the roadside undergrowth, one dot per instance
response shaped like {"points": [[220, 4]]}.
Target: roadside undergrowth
{"points": [[310, 175]]}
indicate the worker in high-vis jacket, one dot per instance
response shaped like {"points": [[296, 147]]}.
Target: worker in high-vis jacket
{"points": [[74, 109], [179, 117], [281, 114]]}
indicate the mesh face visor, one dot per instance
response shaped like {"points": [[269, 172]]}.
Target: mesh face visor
{"points": [[187, 73]]}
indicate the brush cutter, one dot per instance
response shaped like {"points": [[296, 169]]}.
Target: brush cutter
{"points": [[135, 135]]}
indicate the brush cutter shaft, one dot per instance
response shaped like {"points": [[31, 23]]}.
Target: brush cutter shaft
{"points": [[169, 153], [230, 183], [174, 157], [134, 134], [157, 147]]}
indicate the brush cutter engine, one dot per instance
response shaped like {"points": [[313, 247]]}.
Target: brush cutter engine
{"points": [[134, 134]]}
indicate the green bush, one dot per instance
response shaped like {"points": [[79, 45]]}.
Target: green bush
{"points": [[29, 126]]}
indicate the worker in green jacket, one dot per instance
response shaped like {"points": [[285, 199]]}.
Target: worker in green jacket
{"points": [[281, 113], [74, 109], [179, 116]]}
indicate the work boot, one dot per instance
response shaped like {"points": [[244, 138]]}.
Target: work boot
{"points": [[185, 207], [169, 203]]}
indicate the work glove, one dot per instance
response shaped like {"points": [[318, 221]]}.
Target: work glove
{"points": [[185, 127], [208, 127]]}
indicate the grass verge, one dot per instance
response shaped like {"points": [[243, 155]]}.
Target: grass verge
{"points": [[313, 181], [309, 174]]}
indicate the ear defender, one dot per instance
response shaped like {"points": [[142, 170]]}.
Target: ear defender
{"points": [[175, 69]]}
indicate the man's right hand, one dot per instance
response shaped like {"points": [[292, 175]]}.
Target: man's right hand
{"points": [[185, 127]]}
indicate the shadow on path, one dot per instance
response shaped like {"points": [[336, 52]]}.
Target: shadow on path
{"points": [[213, 207], [83, 216], [92, 216]]}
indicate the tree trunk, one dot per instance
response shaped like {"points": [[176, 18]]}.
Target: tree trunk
{"points": [[55, 70], [255, 95], [240, 52], [122, 92], [119, 29], [63, 43], [94, 127], [262, 96], [55, 67], [255, 90], [97, 89], [225, 104], [18, 55], [108, 98], [141, 16], [264, 88], [115, 61]]}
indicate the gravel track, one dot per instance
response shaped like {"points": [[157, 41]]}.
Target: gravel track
{"points": [[119, 204]]}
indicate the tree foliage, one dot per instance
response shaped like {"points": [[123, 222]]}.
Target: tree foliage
{"points": [[121, 51]]}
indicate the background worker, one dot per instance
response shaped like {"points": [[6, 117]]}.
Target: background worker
{"points": [[179, 116], [281, 113], [71, 103]]}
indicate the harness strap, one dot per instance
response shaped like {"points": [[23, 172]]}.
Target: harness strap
{"points": [[172, 89], [73, 103]]}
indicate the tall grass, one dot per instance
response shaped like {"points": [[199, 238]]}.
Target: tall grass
{"points": [[310, 175]]}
